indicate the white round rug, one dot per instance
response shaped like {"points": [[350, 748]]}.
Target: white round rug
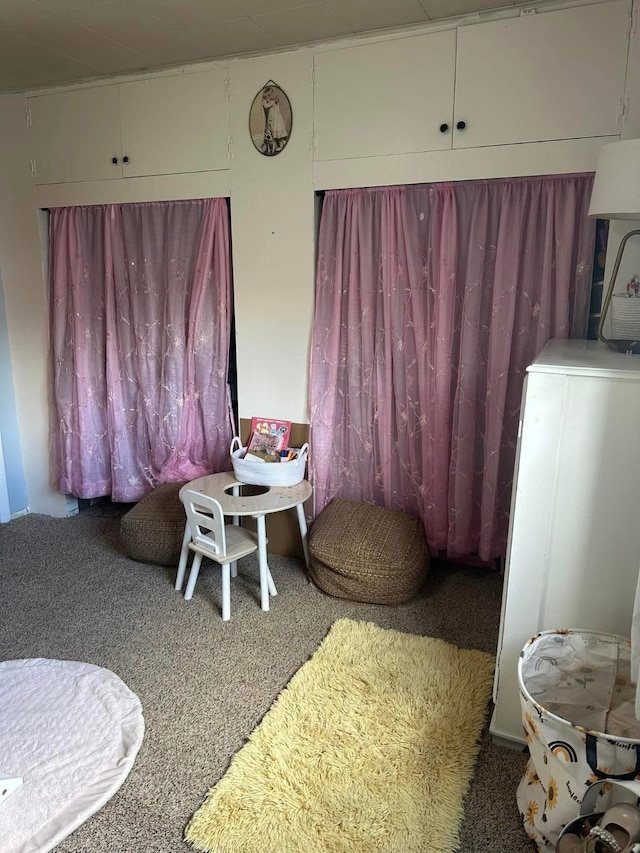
{"points": [[72, 731]]}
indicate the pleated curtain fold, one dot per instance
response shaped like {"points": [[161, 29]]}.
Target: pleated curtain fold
{"points": [[430, 302], [140, 318]]}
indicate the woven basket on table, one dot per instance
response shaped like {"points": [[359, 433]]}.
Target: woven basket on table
{"points": [[367, 553], [152, 531], [267, 473]]}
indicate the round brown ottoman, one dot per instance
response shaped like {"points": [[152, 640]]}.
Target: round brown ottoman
{"points": [[367, 553], [152, 531]]}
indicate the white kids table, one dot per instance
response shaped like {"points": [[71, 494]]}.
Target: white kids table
{"points": [[226, 489]]}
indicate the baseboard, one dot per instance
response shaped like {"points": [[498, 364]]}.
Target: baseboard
{"points": [[20, 512], [508, 743], [507, 739]]}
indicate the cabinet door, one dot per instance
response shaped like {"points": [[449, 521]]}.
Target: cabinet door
{"points": [[385, 98], [175, 124], [76, 135], [551, 75]]}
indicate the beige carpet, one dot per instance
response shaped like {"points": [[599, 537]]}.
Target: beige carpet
{"points": [[371, 747]]}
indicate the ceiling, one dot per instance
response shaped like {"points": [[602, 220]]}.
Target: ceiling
{"points": [[46, 42]]}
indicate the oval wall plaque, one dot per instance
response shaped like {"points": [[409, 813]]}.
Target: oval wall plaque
{"points": [[270, 120]]}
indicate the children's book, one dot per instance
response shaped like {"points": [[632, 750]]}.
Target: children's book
{"points": [[264, 446], [269, 435]]}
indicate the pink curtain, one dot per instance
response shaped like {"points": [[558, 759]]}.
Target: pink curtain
{"points": [[140, 315], [430, 303]]}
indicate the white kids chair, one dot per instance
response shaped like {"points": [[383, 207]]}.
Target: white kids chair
{"points": [[211, 537]]}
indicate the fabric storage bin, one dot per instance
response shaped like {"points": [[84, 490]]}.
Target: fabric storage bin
{"points": [[267, 473], [578, 711]]}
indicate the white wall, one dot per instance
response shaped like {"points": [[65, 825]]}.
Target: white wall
{"points": [[5, 509], [13, 489], [25, 305], [272, 214]]}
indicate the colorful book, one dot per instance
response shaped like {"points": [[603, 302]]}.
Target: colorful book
{"points": [[269, 435]]}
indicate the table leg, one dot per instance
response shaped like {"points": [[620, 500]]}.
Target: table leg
{"points": [[184, 556], [302, 521], [262, 558], [272, 586], [235, 519]]}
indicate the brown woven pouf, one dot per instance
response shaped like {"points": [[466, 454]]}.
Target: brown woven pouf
{"points": [[152, 531], [367, 553]]}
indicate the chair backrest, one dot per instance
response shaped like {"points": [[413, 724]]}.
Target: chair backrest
{"points": [[206, 521]]}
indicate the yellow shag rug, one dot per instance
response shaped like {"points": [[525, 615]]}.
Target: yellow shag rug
{"points": [[371, 747]]}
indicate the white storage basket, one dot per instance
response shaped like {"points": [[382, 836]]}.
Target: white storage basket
{"points": [[578, 705], [267, 473]]}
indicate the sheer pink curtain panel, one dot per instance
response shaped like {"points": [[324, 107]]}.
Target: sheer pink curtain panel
{"points": [[431, 301], [140, 325]]}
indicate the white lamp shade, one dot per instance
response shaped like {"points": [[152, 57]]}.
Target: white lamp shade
{"points": [[616, 188]]}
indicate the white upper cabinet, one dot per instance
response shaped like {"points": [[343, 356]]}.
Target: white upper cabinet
{"points": [[75, 135], [544, 76], [389, 97], [535, 77], [175, 124], [164, 125]]}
